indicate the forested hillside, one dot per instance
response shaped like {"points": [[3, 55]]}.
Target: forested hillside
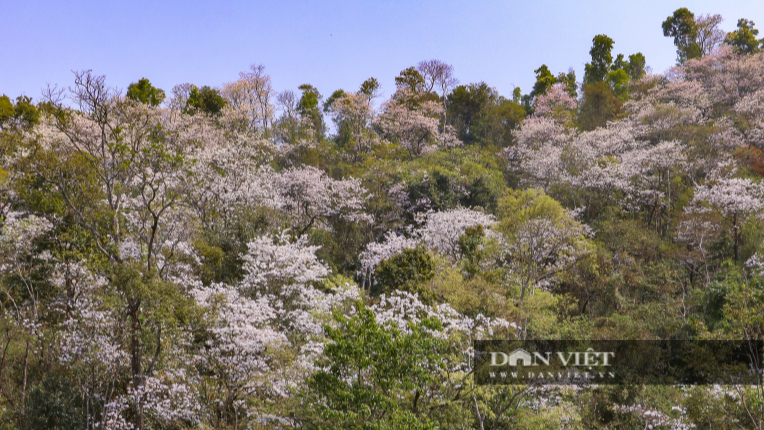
{"points": [[242, 258]]}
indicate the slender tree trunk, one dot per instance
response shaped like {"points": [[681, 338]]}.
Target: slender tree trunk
{"points": [[480, 418], [135, 340], [24, 382], [735, 236]]}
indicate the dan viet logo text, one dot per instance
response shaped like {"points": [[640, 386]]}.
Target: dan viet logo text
{"points": [[619, 362], [550, 366], [521, 357]]}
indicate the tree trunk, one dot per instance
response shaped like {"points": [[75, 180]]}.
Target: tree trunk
{"points": [[136, 357]]}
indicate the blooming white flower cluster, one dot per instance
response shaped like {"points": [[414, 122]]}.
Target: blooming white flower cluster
{"points": [[439, 231], [416, 127]]}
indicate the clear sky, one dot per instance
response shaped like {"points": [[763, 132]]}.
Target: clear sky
{"points": [[329, 44]]}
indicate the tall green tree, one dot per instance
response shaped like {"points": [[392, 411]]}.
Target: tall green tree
{"points": [[568, 80], [744, 40], [637, 65], [681, 27], [142, 91], [308, 107], [602, 59], [370, 88], [693, 36], [481, 116], [544, 80], [466, 104]]}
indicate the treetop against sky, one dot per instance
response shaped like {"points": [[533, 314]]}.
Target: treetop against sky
{"points": [[329, 44]]}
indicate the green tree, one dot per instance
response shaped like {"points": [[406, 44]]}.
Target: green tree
{"points": [[471, 246], [55, 404], [681, 26], [410, 79], [370, 88], [207, 100], [598, 106], [619, 81], [544, 81], [411, 88], [620, 63], [308, 107], [329, 102], [466, 105], [743, 40], [637, 64], [7, 110], [22, 114], [602, 59], [142, 91], [568, 80], [517, 95], [484, 119], [376, 376], [408, 271], [494, 126], [541, 242]]}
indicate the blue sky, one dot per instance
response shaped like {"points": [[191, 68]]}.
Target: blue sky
{"points": [[329, 44]]}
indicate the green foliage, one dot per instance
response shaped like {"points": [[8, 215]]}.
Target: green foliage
{"points": [[568, 80], [22, 114], [517, 95], [681, 26], [743, 40], [480, 116], [222, 249], [54, 404], [471, 246], [634, 67], [369, 88], [520, 206], [544, 81], [407, 271], [376, 376], [308, 107], [342, 245], [206, 100], [450, 286], [599, 105], [463, 176], [142, 91], [637, 64], [411, 80], [465, 106], [602, 59], [6, 108], [619, 81], [329, 102]]}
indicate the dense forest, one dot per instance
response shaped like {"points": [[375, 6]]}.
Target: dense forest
{"points": [[242, 258]]}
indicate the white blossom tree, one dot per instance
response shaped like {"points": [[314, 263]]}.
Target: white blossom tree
{"points": [[735, 200], [414, 125], [251, 98], [311, 197]]}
